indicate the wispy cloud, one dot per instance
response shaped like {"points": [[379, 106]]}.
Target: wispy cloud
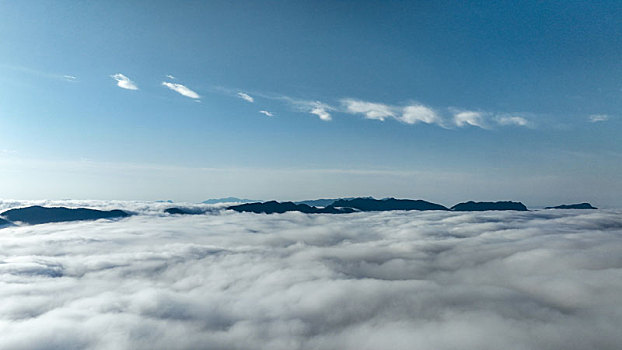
{"points": [[124, 82], [464, 118], [7, 151], [595, 118], [419, 113], [35, 72], [170, 77], [370, 110], [246, 97], [320, 109], [267, 113], [181, 89], [512, 120], [409, 114]]}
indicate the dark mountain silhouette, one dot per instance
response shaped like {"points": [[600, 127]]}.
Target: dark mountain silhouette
{"points": [[371, 204], [573, 206], [41, 215], [482, 206], [184, 211], [323, 202], [272, 207], [229, 200]]}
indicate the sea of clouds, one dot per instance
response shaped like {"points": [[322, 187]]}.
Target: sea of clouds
{"points": [[389, 280]]}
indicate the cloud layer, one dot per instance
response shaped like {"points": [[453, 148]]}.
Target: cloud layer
{"points": [[124, 82], [393, 280], [181, 89]]}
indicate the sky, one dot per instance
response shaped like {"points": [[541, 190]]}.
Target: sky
{"points": [[438, 100]]}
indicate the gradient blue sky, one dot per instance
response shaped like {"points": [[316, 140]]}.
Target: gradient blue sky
{"points": [[439, 100]]}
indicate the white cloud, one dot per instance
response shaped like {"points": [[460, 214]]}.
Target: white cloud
{"points": [[321, 110], [595, 118], [317, 108], [181, 89], [464, 118], [246, 97], [70, 77], [512, 120], [170, 77], [267, 113], [124, 82], [439, 280], [410, 114], [418, 113], [370, 110]]}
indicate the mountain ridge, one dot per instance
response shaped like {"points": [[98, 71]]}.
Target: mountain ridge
{"points": [[37, 214]]}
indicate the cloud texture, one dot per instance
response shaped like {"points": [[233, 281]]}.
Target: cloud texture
{"points": [[392, 280]]}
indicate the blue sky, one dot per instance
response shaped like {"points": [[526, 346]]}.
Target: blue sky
{"points": [[443, 101]]}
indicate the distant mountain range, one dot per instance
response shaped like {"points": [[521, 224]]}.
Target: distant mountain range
{"points": [[371, 204], [365, 204], [229, 200], [324, 202], [573, 206], [272, 207], [42, 215], [483, 206]]}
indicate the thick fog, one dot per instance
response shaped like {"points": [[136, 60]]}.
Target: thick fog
{"points": [[391, 280]]}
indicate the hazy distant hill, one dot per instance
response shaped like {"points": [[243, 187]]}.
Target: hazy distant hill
{"points": [[229, 200], [41, 215], [371, 204], [482, 206], [573, 206]]}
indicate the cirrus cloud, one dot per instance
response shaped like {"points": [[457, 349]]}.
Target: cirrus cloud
{"points": [[181, 89], [321, 110], [246, 97], [512, 120], [419, 113], [409, 114], [595, 118], [370, 110], [473, 118], [266, 113], [124, 82]]}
